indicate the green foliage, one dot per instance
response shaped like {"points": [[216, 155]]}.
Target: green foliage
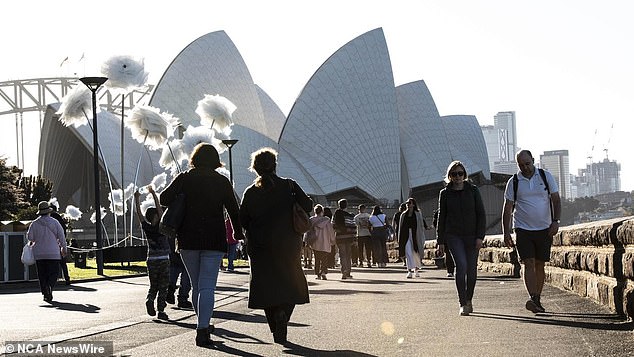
{"points": [[570, 209], [36, 189], [12, 197], [27, 214]]}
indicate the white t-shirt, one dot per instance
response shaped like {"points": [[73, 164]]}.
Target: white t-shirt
{"points": [[363, 224], [532, 209], [378, 221]]}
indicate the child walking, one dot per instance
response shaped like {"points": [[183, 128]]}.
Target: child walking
{"points": [[158, 249]]}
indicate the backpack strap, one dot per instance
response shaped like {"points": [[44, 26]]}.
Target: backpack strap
{"points": [[515, 184]]}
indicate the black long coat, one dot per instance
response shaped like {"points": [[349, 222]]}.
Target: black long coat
{"points": [[273, 246]]}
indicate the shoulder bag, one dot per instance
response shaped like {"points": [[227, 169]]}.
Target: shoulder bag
{"points": [[301, 221], [173, 217]]}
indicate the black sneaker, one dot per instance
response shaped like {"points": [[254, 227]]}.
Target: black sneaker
{"points": [[185, 305], [149, 307], [162, 315], [532, 306]]}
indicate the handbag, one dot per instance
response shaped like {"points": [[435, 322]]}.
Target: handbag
{"points": [[389, 230], [173, 217], [27, 254], [301, 221]]}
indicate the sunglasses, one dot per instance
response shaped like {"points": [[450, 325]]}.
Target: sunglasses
{"points": [[456, 174]]}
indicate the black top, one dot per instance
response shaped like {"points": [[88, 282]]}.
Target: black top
{"points": [[208, 194], [157, 244], [461, 213]]}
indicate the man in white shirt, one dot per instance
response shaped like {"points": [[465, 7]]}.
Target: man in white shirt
{"points": [[532, 199], [362, 221]]}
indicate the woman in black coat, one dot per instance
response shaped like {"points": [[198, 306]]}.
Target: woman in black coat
{"points": [[202, 238], [277, 279]]}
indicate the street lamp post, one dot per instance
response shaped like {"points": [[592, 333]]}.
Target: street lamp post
{"points": [[230, 143], [93, 83]]}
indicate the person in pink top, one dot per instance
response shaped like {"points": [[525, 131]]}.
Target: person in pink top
{"points": [[323, 241], [49, 246]]}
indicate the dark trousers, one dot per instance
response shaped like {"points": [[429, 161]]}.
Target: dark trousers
{"points": [[47, 274], [331, 256], [178, 268], [449, 263], [465, 255], [159, 273], [378, 239], [321, 262], [354, 252], [345, 258], [365, 249]]}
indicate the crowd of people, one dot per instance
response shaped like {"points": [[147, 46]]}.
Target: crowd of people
{"points": [[216, 224]]}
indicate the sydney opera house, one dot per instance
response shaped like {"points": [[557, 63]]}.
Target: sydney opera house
{"points": [[350, 133]]}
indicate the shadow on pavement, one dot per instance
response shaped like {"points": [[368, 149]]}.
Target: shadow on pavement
{"points": [[294, 349], [87, 308], [543, 319]]}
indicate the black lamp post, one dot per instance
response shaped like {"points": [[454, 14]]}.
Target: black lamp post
{"points": [[230, 143], [93, 83]]}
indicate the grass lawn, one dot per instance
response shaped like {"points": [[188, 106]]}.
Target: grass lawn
{"points": [[112, 270]]}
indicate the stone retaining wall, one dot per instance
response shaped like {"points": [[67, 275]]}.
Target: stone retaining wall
{"points": [[594, 260]]}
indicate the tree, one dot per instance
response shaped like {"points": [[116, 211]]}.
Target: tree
{"points": [[12, 197], [36, 189]]}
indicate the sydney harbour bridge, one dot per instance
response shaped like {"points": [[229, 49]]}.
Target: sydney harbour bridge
{"points": [[21, 96]]}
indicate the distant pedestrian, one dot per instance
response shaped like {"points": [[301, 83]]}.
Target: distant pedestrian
{"points": [[395, 222], [411, 237], [158, 259], [277, 280], [378, 222], [344, 235], [362, 221], [62, 262], [202, 237], [532, 198], [324, 241], [461, 226], [332, 257], [49, 247]]}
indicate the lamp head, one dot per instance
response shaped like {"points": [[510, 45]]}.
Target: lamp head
{"points": [[93, 83], [229, 142]]}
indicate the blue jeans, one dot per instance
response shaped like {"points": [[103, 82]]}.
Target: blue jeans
{"points": [[202, 267], [465, 255], [231, 255]]}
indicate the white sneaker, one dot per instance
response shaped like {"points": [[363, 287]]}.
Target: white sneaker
{"points": [[417, 274], [450, 275], [409, 275]]}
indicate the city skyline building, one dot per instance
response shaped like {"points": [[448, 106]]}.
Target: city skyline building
{"points": [[501, 142], [557, 162], [598, 178]]}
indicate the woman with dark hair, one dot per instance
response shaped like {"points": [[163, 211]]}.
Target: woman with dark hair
{"points": [[277, 281], [378, 236], [202, 238], [411, 237], [461, 226]]}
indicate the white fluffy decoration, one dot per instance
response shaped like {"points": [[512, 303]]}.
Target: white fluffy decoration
{"points": [[76, 105], [199, 134], [124, 73], [117, 206], [215, 111], [73, 213], [93, 217], [159, 181], [149, 121]]}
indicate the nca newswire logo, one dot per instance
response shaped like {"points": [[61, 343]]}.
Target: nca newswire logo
{"points": [[66, 348]]}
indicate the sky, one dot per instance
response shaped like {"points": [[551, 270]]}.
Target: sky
{"points": [[565, 67]]}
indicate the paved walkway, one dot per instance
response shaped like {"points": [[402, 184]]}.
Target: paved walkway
{"points": [[378, 313]]}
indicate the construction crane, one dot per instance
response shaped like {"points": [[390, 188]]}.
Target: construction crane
{"points": [[605, 148], [594, 138]]}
